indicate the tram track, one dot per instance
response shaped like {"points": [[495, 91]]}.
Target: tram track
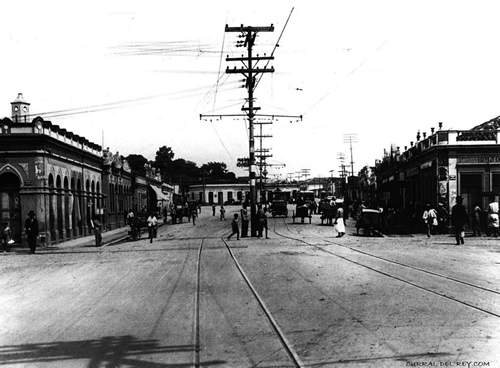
{"points": [[460, 284], [197, 360], [294, 357]]}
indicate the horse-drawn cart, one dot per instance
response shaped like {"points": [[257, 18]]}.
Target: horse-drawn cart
{"points": [[301, 212]]}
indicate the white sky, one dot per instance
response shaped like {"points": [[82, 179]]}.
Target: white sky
{"points": [[379, 69]]}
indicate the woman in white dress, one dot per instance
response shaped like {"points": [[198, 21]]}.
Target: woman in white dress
{"points": [[339, 221], [493, 222]]}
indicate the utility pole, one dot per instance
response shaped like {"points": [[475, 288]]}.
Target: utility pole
{"points": [[350, 138], [250, 71], [341, 157]]}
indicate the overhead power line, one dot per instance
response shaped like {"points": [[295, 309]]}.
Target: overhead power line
{"points": [[121, 104]]}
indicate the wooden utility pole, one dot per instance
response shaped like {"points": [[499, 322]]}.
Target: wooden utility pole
{"points": [[250, 71]]}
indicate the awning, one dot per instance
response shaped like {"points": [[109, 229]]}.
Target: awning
{"points": [[159, 194]]}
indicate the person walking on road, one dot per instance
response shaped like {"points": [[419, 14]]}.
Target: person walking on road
{"points": [[194, 214], [244, 221], [235, 228], [262, 219], [6, 236], [430, 219], [130, 217], [442, 215], [213, 210], [459, 219], [152, 223], [476, 221], [339, 221], [96, 224], [173, 215], [493, 222], [31, 227], [222, 213]]}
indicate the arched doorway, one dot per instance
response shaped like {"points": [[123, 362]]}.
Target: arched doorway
{"points": [[10, 206]]}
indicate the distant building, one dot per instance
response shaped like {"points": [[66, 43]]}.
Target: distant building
{"points": [[219, 194]]}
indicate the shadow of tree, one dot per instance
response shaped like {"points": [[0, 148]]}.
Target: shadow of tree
{"points": [[109, 351]]}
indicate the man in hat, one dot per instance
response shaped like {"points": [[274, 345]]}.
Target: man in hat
{"points": [[31, 226], [459, 218]]}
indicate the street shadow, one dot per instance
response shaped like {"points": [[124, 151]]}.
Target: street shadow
{"points": [[109, 351]]}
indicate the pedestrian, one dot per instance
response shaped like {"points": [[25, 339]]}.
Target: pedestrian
{"points": [[263, 222], [235, 228], [459, 219], [244, 221], [222, 213], [130, 217], [259, 223], [152, 223], [135, 229], [31, 227], [194, 214], [6, 236], [430, 219], [442, 215], [339, 221], [180, 213], [476, 221], [493, 222], [359, 217], [173, 215], [213, 210], [96, 224]]}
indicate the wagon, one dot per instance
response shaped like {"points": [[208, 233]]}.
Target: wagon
{"points": [[370, 222], [279, 208], [328, 213], [301, 212]]}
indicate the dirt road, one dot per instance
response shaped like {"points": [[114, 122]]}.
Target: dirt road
{"points": [[317, 301]]}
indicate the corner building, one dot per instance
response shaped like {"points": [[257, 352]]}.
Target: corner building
{"points": [[51, 171], [442, 166]]}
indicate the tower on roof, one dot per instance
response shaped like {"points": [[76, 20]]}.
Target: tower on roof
{"points": [[20, 110]]}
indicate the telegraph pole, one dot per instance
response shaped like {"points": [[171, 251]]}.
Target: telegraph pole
{"points": [[250, 71], [350, 138]]}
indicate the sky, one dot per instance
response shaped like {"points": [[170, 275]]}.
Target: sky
{"points": [[135, 76]]}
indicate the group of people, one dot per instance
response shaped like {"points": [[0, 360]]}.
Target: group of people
{"points": [[459, 219], [261, 222], [31, 229]]}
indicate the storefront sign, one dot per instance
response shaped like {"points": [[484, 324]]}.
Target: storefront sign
{"points": [[479, 160], [412, 172], [426, 165]]}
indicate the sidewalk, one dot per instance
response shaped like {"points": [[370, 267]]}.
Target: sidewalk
{"points": [[108, 238]]}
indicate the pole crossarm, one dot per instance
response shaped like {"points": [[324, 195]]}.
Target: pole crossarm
{"points": [[249, 70], [254, 115], [257, 58], [249, 29]]}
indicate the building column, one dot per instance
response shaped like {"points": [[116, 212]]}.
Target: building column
{"points": [[54, 215], [62, 200]]}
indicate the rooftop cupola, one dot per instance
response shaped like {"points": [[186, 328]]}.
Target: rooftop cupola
{"points": [[20, 110]]}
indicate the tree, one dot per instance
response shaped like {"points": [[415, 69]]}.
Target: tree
{"points": [[163, 161], [215, 169], [164, 155], [136, 163]]}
